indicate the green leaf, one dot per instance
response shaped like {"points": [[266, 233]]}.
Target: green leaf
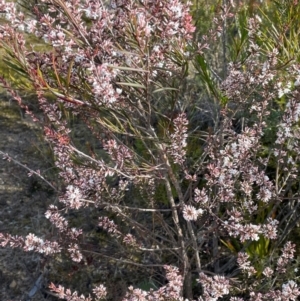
{"points": [[229, 245], [135, 85], [68, 79], [127, 68], [15, 67], [165, 89]]}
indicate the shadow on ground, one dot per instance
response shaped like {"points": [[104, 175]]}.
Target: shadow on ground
{"points": [[23, 201]]}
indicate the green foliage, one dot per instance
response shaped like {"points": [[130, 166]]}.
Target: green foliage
{"points": [[147, 285], [280, 29], [239, 36], [203, 12], [206, 77]]}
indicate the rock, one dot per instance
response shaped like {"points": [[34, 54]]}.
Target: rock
{"points": [[13, 284]]}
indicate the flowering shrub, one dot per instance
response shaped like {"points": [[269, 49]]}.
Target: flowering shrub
{"points": [[124, 70]]}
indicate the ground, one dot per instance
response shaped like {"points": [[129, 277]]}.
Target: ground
{"points": [[23, 201]]}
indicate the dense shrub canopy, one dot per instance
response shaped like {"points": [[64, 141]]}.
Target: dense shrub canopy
{"points": [[187, 177]]}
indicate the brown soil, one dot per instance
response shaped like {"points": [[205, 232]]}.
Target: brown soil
{"points": [[23, 201]]}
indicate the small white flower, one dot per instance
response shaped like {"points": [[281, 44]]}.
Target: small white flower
{"points": [[21, 27], [190, 213], [297, 83], [200, 211], [156, 48], [268, 272], [258, 18]]}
